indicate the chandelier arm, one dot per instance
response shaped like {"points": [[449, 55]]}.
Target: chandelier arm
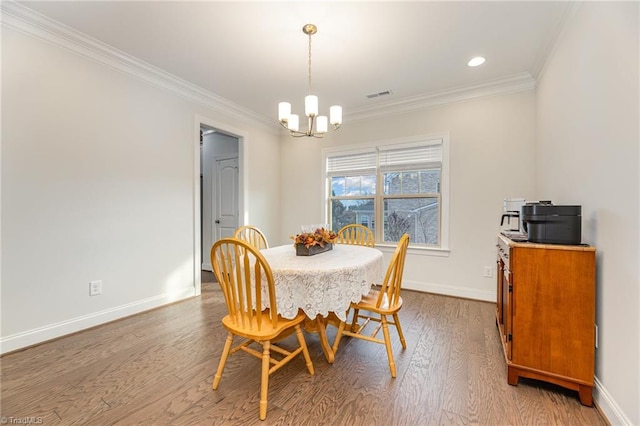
{"points": [[294, 133], [299, 134], [283, 123], [311, 120]]}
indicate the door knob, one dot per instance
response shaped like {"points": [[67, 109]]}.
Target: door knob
{"points": [[217, 221]]}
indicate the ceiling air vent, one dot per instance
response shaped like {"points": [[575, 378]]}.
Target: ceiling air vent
{"points": [[376, 95]]}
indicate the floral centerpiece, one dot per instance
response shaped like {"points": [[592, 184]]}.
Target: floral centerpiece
{"points": [[318, 241]]}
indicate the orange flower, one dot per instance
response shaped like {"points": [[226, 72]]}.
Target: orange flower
{"points": [[320, 237]]}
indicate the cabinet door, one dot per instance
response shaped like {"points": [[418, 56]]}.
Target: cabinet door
{"points": [[554, 311]]}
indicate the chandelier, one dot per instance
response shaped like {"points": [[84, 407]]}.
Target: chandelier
{"points": [[291, 121]]}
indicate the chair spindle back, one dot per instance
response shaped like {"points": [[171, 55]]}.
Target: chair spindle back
{"points": [[245, 278], [356, 234], [392, 283], [253, 236]]}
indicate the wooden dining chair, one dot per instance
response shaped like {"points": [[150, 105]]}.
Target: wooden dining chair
{"points": [[246, 278], [253, 236], [356, 234], [379, 304]]}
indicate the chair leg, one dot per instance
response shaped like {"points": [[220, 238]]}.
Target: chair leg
{"points": [[387, 343], [354, 320], [397, 321], [347, 313], [264, 383], [305, 351], [336, 342], [223, 361]]}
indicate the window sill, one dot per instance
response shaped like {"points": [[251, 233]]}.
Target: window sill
{"points": [[417, 251]]}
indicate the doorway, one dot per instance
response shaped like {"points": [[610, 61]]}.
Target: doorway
{"points": [[220, 190]]}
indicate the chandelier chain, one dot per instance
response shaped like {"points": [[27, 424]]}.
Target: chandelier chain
{"points": [[309, 65]]}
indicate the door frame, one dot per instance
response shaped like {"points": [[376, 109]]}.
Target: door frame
{"points": [[242, 183]]}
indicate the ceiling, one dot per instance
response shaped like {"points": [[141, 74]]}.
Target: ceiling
{"points": [[254, 54]]}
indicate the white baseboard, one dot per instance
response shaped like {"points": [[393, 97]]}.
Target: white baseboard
{"points": [[607, 405], [447, 290], [52, 331]]}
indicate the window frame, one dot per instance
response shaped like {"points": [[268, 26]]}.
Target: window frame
{"points": [[441, 139]]}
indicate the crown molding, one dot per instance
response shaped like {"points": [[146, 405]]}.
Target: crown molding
{"points": [[32, 23], [510, 84]]}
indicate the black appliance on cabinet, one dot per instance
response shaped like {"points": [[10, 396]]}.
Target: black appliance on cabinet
{"points": [[549, 224]]}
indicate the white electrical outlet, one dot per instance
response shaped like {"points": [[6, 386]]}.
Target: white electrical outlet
{"points": [[95, 288], [488, 272]]}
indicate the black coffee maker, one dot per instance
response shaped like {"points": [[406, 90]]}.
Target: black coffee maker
{"points": [[549, 224]]}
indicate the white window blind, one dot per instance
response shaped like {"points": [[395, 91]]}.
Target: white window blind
{"points": [[411, 158], [360, 163]]}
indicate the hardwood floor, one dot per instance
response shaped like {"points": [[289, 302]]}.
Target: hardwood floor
{"points": [[156, 368]]}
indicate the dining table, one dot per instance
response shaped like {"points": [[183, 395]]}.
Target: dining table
{"points": [[323, 285]]}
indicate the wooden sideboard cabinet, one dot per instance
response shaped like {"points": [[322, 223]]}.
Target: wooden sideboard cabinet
{"points": [[546, 313]]}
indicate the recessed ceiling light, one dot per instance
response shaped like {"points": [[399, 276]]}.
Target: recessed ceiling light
{"points": [[474, 62]]}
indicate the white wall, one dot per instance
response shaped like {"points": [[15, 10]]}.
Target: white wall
{"points": [[587, 153], [262, 189], [98, 176], [491, 151]]}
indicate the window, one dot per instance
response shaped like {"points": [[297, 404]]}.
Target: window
{"points": [[352, 181], [391, 189]]}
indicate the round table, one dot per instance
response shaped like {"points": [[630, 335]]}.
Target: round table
{"points": [[323, 285]]}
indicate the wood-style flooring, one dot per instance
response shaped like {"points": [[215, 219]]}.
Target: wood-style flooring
{"points": [[156, 368]]}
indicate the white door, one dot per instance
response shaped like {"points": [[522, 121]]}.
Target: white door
{"points": [[225, 198]]}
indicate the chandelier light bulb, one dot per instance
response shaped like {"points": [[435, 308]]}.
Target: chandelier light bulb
{"points": [[284, 111], [335, 115], [311, 105], [293, 122], [322, 124]]}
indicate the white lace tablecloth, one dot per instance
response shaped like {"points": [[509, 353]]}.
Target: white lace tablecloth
{"points": [[323, 283]]}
